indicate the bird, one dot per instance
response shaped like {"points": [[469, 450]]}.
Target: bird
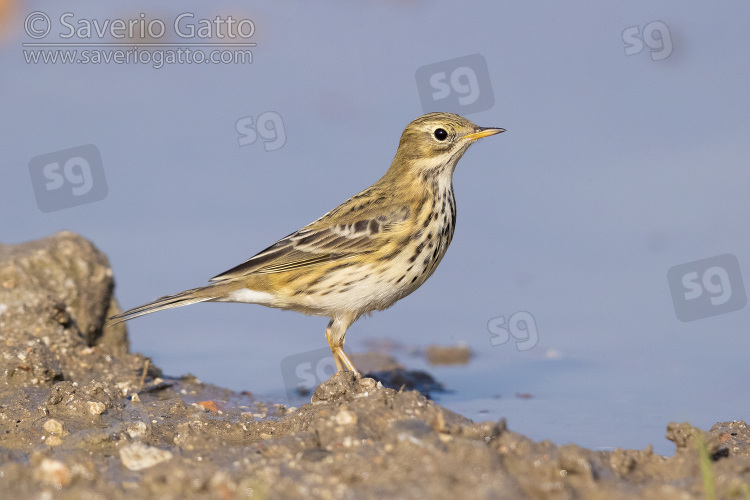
{"points": [[364, 255]]}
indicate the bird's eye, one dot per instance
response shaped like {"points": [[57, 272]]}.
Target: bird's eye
{"points": [[440, 134]]}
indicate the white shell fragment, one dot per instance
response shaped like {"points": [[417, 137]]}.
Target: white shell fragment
{"points": [[138, 456]]}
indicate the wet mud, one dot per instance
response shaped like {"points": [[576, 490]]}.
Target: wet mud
{"points": [[82, 417]]}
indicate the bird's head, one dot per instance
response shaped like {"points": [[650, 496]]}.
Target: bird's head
{"points": [[432, 144]]}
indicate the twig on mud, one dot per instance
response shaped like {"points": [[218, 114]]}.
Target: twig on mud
{"points": [[145, 371]]}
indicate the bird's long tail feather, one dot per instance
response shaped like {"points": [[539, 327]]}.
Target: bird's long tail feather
{"points": [[185, 298]]}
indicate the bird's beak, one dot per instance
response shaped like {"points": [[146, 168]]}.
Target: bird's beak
{"points": [[484, 132]]}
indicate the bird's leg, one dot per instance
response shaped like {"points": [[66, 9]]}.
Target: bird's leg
{"points": [[336, 358], [335, 337]]}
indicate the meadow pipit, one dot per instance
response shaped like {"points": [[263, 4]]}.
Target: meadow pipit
{"points": [[364, 255]]}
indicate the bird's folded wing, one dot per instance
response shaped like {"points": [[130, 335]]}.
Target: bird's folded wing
{"points": [[320, 242]]}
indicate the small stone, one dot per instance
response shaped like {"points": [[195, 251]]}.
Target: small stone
{"points": [[136, 430], [55, 427], [438, 423], [96, 407], [448, 355], [53, 472], [53, 441], [138, 456], [368, 384], [346, 417], [208, 406]]}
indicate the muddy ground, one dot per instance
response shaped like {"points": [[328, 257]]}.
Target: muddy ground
{"points": [[82, 417]]}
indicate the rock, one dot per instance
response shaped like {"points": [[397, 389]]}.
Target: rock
{"points": [[138, 456], [96, 408], [683, 435], [137, 430], [731, 437], [55, 294], [346, 417], [448, 355], [62, 280], [53, 441], [55, 427], [53, 472], [413, 380]]}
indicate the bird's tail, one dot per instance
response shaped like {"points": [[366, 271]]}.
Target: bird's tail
{"points": [[185, 298]]}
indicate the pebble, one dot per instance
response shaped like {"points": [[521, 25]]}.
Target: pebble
{"points": [[138, 456], [53, 441], [136, 430], [448, 355], [346, 417], [56, 427], [96, 407], [53, 472]]}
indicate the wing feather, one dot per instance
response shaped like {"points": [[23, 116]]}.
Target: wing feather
{"points": [[330, 238]]}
